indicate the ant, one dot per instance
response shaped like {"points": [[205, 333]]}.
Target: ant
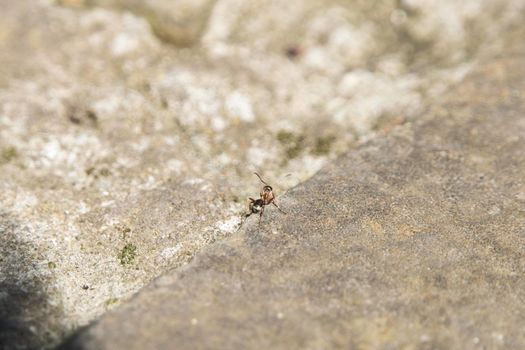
{"points": [[257, 205]]}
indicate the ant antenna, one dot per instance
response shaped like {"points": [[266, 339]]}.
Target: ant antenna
{"points": [[259, 176]]}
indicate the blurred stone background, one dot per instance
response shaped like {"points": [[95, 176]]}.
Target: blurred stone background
{"points": [[130, 130]]}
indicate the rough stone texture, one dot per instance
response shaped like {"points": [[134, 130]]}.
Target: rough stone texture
{"points": [[414, 241], [122, 154], [180, 22]]}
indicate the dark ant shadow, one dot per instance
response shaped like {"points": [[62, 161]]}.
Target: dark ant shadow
{"points": [[27, 320]]}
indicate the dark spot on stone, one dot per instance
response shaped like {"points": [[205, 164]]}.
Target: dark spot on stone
{"points": [[74, 119], [292, 52], [92, 116], [146, 86], [124, 230]]}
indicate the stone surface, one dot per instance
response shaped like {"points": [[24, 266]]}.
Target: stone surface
{"points": [[413, 241], [129, 130], [180, 22]]}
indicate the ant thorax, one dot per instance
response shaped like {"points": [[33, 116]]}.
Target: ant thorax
{"points": [[267, 195]]}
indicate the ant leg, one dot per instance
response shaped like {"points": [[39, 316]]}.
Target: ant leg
{"points": [[243, 218], [260, 215], [282, 211]]}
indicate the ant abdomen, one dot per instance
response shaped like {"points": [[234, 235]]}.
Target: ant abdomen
{"points": [[256, 206]]}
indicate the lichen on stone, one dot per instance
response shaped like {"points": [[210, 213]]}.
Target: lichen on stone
{"points": [[8, 154], [293, 144], [128, 254], [111, 301], [323, 145]]}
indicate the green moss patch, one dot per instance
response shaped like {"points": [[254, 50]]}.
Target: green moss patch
{"points": [[7, 155], [128, 254], [96, 173], [323, 145], [111, 301], [293, 144]]}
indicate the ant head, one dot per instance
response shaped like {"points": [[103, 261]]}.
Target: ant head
{"points": [[267, 189]]}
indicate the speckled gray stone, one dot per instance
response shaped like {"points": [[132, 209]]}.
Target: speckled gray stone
{"points": [[414, 241]]}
